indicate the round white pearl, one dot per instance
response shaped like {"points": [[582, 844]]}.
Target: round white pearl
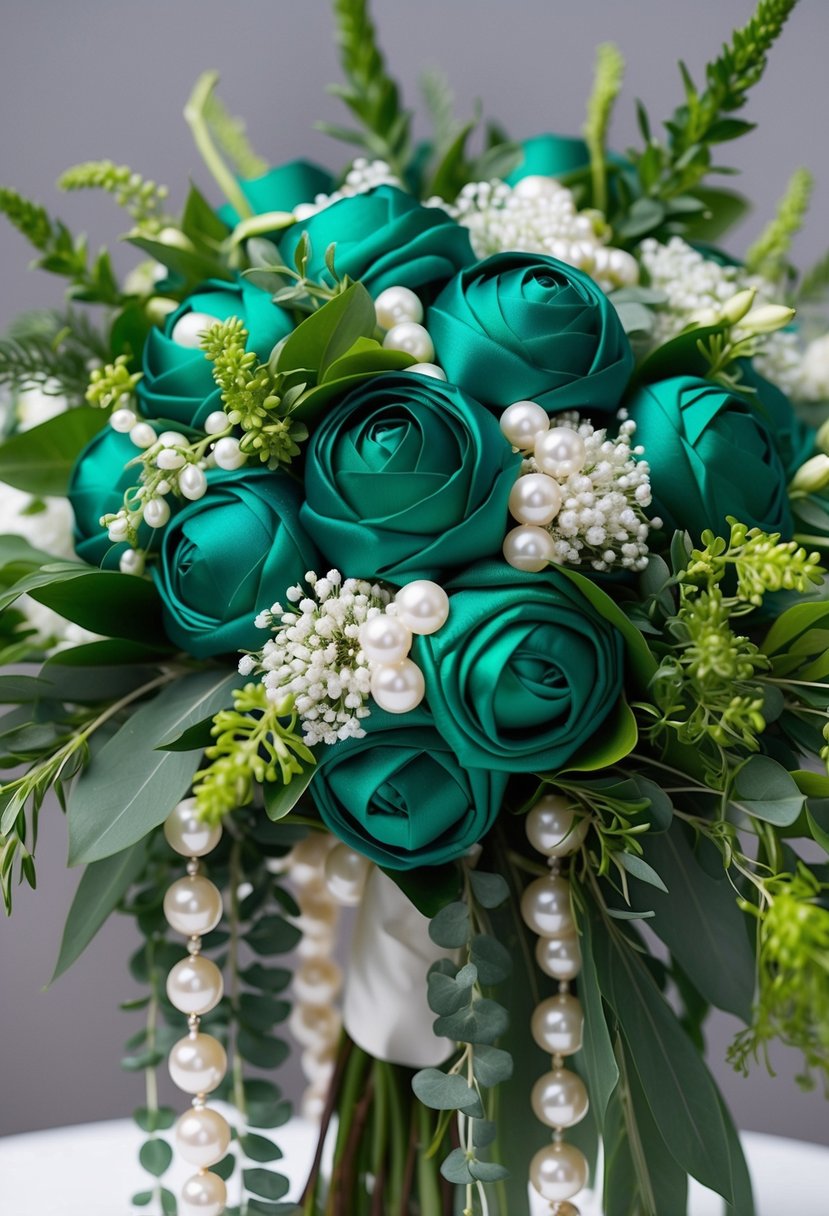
{"points": [[172, 439], [307, 859], [412, 338], [345, 875], [317, 981], [203, 1195], [319, 945], [315, 1026], [228, 455], [559, 1098], [188, 833], [398, 689], [188, 329], [131, 562], [143, 435], [122, 421], [522, 421], [528, 547], [156, 513], [198, 1063], [318, 1066], [552, 827], [314, 1101], [202, 1136], [397, 304], [215, 423], [319, 913], [534, 185], [169, 459], [535, 499], [558, 1025], [560, 452], [423, 606], [195, 985], [192, 482], [559, 957], [385, 639], [118, 530], [427, 369], [559, 1171], [193, 906], [545, 907]]}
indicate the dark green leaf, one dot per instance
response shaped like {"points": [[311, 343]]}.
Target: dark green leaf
{"points": [[640, 869], [261, 1012], [766, 790], [40, 460], [491, 1065], [273, 935], [455, 1168], [265, 1051], [329, 332], [99, 600], [259, 1148], [600, 1069], [270, 979], [450, 927], [225, 1167], [155, 1156], [151, 1121], [492, 960], [429, 888], [266, 1183], [141, 1199], [483, 1021], [281, 799]]}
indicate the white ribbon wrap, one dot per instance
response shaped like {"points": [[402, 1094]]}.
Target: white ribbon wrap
{"points": [[385, 1010]]}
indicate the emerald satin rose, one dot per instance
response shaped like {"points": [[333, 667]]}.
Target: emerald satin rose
{"points": [[711, 455], [523, 673], [400, 796], [178, 382], [550, 156], [281, 189], [522, 326], [385, 239], [227, 557], [794, 438], [406, 477]]}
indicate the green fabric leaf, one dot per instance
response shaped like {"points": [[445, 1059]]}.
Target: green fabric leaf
{"points": [[766, 790], [40, 460]]}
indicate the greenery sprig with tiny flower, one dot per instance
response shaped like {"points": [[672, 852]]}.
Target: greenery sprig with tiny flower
{"points": [[142, 199], [769, 255]]}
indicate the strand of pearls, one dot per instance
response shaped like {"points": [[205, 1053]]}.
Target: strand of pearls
{"points": [[559, 1098], [397, 684], [400, 313], [197, 1063]]}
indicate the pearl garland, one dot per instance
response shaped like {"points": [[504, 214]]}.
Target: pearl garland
{"points": [[559, 1098], [400, 313], [397, 683], [198, 1062]]}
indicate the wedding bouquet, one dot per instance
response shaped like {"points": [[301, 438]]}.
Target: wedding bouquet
{"points": [[446, 543]]}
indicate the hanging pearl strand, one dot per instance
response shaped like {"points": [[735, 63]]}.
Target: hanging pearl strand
{"points": [[400, 313], [198, 1063], [559, 1098]]}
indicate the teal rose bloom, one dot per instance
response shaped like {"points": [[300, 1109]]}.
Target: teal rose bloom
{"points": [[178, 382], [229, 556], [550, 156], [400, 796], [711, 455], [281, 189], [524, 672], [795, 439], [405, 477], [522, 326], [385, 239]]}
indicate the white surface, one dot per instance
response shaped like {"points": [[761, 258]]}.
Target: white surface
{"points": [[92, 1170]]}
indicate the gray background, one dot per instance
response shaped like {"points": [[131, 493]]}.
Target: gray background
{"points": [[102, 78]]}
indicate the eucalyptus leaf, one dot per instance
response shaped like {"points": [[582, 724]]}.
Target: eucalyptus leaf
{"points": [[455, 1168], [259, 1148], [490, 890], [488, 1171], [492, 960], [266, 1183], [450, 927], [491, 1065], [483, 1021], [766, 790], [443, 1091], [155, 1156]]}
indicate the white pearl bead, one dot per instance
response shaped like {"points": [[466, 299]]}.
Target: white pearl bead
{"points": [[318, 1066], [131, 562], [192, 482], [188, 833], [319, 913], [317, 981], [118, 530], [203, 1195], [535, 499], [143, 435], [398, 689], [545, 907], [195, 985], [412, 338], [169, 459], [522, 421], [306, 863], [228, 455], [558, 1024], [198, 1063], [534, 185], [314, 1101], [397, 304], [345, 875], [319, 945], [559, 957], [423, 606], [427, 369], [315, 1026], [189, 328], [559, 1098], [156, 513], [385, 639], [122, 421], [560, 452], [528, 547], [552, 827], [559, 1171], [193, 906], [202, 1136], [215, 423]]}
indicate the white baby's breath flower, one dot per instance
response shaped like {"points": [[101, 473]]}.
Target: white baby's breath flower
{"points": [[363, 176]]}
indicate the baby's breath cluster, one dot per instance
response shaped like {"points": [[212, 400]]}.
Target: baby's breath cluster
{"points": [[315, 654], [539, 215], [363, 176]]}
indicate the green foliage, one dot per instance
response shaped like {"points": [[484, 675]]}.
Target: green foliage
{"points": [[144, 200], [112, 385], [40, 461], [201, 113], [51, 350], [768, 256], [607, 83], [230, 134], [815, 282]]}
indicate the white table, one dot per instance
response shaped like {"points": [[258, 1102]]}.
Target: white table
{"points": [[92, 1169]]}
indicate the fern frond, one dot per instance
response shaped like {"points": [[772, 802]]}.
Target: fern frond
{"points": [[768, 255], [59, 371]]}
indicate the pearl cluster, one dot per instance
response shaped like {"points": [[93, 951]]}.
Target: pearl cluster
{"points": [[400, 313], [197, 1063], [559, 1098], [538, 215], [580, 496], [363, 176], [315, 654], [397, 683]]}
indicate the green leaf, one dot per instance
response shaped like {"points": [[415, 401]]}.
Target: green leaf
{"points": [[273, 935], [817, 817], [455, 1168], [723, 209], [442, 1091], [281, 799], [450, 927], [113, 652], [329, 332], [191, 265], [491, 1065], [265, 1183], [600, 1069], [660, 811], [492, 960], [449, 993], [105, 602], [616, 739], [488, 1171], [484, 1132], [366, 357], [102, 887], [792, 623], [155, 1156], [142, 1199], [640, 869], [270, 979], [429, 888], [490, 890], [259, 1148], [199, 220], [130, 788], [169, 1203], [483, 1021], [40, 461], [266, 1108], [766, 790], [159, 1120], [261, 1012], [225, 1167]]}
